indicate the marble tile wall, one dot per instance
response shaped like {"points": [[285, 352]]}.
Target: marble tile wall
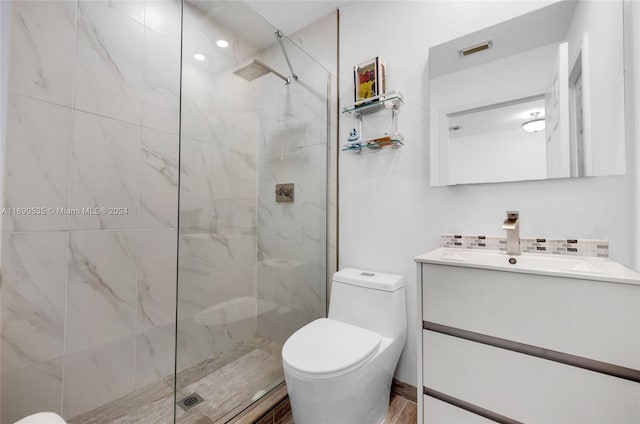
{"points": [[88, 301], [217, 255], [234, 244], [292, 237], [319, 39], [228, 235], [88, 305]]}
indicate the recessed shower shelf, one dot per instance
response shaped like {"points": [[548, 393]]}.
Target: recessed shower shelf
{"points": [[390, 100], [394, 141]]}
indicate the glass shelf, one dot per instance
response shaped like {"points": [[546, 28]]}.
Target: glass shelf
{"points": [[394, 141], [391, 99]]}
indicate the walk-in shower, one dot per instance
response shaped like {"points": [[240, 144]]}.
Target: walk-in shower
{"points": [[161, 268], [251, 270]]}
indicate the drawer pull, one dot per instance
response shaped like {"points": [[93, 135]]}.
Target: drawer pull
{"points": [[474, 409], [539, 352]]}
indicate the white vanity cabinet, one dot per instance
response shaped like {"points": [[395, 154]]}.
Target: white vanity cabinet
{"points": [[512, 345]]}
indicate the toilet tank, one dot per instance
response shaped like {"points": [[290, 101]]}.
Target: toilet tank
{"points": [[371, 300]]}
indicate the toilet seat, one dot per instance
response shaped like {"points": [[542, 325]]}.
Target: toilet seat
{"points": [[327, 348]]}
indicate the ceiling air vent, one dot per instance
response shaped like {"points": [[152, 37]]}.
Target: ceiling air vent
{"points": [[476, 48]]}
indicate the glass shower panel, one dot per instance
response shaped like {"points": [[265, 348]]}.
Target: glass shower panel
{"points": [[291, 267], [251, 270]]}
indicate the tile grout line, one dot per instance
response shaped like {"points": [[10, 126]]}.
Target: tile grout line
{"points": [[90, 230], [404, 405], [138, 211], [76, 17], [88, 112], [135, 308]]}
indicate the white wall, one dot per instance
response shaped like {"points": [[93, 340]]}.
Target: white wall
{"points": [[389, 213], [506, 155]]}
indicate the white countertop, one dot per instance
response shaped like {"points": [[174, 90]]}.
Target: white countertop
{"points": [[583, 267]]}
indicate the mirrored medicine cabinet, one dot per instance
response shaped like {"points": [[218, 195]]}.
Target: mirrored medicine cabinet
{"points": [[536, 97]]}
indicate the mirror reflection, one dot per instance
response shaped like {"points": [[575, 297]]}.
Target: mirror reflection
{"points": [[539, 96]]}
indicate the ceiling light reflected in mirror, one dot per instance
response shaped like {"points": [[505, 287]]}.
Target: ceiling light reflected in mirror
{"points": [[535, 124]]}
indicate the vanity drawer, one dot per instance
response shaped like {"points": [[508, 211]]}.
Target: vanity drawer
{"points": [[593, 319], [523, 387], [437, 411]]}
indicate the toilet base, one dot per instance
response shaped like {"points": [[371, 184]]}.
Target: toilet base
{"points": [[324, 403], [361, 396]]}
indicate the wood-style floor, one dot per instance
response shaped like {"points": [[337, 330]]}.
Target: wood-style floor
{"points": [[401, 411], [227, 383]]}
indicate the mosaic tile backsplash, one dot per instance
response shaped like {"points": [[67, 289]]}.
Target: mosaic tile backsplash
{"points": [[572, 247]]}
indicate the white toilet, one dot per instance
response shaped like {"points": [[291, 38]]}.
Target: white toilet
{"points": [[42, 418], [339, 369]]}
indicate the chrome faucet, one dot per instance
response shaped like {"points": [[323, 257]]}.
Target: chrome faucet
{"points": [[512, 225]]}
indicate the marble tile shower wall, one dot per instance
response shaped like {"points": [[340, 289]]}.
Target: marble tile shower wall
{"points": [[88, 301], [320, 40], [217, 263], [292, 255]]}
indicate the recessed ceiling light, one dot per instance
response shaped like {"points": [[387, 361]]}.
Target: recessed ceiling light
{"points": [[222, 43], [199, 56]]}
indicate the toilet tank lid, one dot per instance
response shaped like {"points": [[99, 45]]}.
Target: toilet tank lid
{"points": [[369, 279]]}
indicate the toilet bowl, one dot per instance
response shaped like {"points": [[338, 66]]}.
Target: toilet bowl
{"points": [[42, 418], [339, 369]]}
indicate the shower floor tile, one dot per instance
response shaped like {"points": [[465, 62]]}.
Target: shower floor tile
{"points": [[227, 383], [237, 382], [149, 405]]}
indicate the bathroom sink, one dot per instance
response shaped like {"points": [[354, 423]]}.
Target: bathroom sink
{"points": [[584, 267]]}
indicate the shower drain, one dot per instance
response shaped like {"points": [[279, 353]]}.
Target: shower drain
{"points": [[190, 401]]}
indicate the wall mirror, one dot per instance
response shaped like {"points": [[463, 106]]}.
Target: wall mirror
{"points": [[535, 97]]}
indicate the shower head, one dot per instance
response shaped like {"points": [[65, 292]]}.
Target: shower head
{"points": [[256, 69]]}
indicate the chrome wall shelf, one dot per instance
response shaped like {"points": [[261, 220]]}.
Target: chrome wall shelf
{"points": [[392, 101], [393, 141]]}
